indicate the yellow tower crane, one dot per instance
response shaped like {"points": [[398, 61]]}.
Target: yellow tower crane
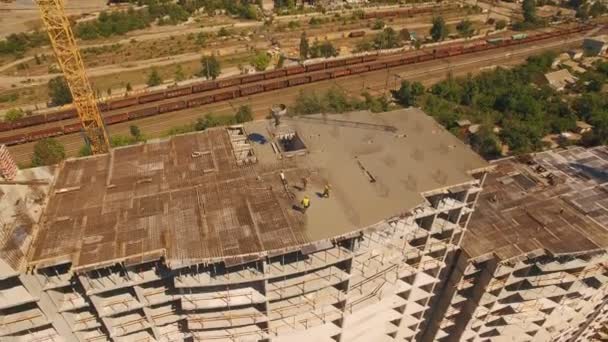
{"points": [[67, 53]]}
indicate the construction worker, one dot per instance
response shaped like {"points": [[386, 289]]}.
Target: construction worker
{"points": [[304, 183], [326, 191], [305, 203]]}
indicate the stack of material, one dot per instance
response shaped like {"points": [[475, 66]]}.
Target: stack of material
{"points": [[8, 168]]}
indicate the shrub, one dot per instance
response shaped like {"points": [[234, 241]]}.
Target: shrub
{"points": [[48, 152], [13, 114]]}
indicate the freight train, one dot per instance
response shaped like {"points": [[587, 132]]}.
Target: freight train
{"points": [[184, 91], [406, 12], [252, 84]]}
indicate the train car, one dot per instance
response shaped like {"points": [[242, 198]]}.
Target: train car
{"points": [[340, 73], [116, 118], [141, 113], [298, 80], [45, 133], [227, 95], [275, 74], [393, 63], [276, 85], [336, 63], [358, 69], [253, 89], [252, 78], [424, 58], [295, 70], [14, 139], [27, 121], [409, 60], [73, 128], [353, 60], [5, 126], [315, 67], [228, 82], [122, 103], [62, 115], [319, 76], [454, 51], [103, 106], [377, 66], [172, 106], [178, 91], [370, 58], [204, 86], [356, 34], [151, 97], [199, 101]]}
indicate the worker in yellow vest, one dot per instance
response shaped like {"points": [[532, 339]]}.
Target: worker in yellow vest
{"points": [[305, 203]]}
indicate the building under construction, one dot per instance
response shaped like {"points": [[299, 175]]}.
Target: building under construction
{"points": [[533, 264], [202, 237]]}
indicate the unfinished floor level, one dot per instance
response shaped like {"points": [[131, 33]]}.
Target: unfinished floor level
{"points": [[534, 265], [202, 236]]}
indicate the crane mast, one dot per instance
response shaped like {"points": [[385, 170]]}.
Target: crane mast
{"points": [[69, 59]]}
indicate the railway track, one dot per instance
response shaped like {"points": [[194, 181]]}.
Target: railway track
{"points": [[242, 86], [373, 82]]}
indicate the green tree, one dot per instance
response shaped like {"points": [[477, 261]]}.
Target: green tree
{"points": [[500, 24], [223, 32], [408, 93], [201, 39], [307, 103], [378, 24], [135, 132], [486, 143], [260, 61], [582, 12], [324, 49], [529, 9], [210, 67], [59, 92], [597, 9], [243, 114], [439, 30], [249, 12], [593, 81], [303, 46], [465, 28], [417, 88], [48, 151], [13, 114], [119, 140], [85, 150], [179, 73], [387, 39], [154, 79]]}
